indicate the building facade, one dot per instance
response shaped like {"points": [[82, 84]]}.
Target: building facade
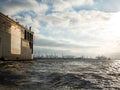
{"points": [[16, 41]]}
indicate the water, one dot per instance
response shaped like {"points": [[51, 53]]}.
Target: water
{"points": [[60, 75]]}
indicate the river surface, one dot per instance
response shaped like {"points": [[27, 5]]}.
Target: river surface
{"points": [[60, 75]]}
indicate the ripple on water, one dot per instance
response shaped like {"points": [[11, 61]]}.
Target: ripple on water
{"points": [[58, 75]]}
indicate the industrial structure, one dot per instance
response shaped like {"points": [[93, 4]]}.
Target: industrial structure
{"points": [[16, 41]]}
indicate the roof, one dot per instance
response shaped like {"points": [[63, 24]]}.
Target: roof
{"points": [[12, 21]]}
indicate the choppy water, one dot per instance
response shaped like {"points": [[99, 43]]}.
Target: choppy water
{"points": [[60, 75]]}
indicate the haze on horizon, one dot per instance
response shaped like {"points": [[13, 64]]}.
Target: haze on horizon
{"points": [[71, 27]]}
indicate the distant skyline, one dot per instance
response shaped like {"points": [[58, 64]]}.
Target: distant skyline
{"points": [[70, 27]]}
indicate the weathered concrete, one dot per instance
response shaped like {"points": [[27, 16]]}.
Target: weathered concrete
{"points": [[16, 41]]}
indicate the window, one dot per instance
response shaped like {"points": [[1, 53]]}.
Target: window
{"points": [[25, 35]]}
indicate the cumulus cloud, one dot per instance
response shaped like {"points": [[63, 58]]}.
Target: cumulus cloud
{"points": [[88, 30], [81, 2], [67, 5], [12, 7]]}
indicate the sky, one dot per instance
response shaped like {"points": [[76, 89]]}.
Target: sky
{"points": [[70, 27]]}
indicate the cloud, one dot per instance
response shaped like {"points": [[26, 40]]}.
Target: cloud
{"points": [[61, 43], [12, 7], [85, 32], [83, 22], [107, 5], [67, 25], [67, 5], [81, 2]]}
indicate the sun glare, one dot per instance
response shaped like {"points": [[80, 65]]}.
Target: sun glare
{"points": [[114, 25], [112, 34]]}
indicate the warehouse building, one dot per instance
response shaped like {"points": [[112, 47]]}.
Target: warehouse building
{"points": [[16, 41]]}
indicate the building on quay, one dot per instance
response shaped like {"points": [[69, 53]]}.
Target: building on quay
{"points": [[16, 41]]}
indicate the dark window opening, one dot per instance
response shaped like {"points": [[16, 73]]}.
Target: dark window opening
{"points": [[31, 46], [25, 35]]}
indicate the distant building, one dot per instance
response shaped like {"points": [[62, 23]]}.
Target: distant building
{"points": [[16, 41]]}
